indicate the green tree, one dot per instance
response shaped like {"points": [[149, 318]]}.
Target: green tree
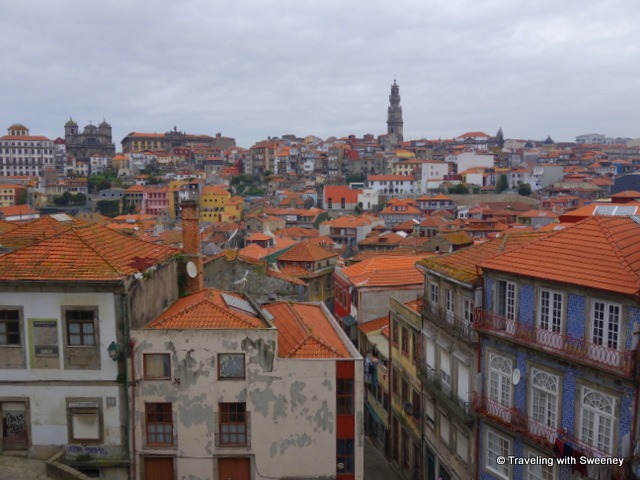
{"points": [[460, 188], [103, 184], [108, 208], [503, 184], [524, 190], [22, 197]]}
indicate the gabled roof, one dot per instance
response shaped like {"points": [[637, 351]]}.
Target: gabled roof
{"points": [[37, 230], [306, 252], [209, 308], [305, 332], [598, 252], [461, 265], [86, 253], [385, 272]]}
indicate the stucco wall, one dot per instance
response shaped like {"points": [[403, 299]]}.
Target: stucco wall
{"points": [[291, 403]]}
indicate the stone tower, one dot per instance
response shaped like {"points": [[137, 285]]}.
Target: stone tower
{"points": [[394, 117]]}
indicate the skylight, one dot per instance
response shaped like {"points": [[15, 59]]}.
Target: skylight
{"points": [[617, 210]]}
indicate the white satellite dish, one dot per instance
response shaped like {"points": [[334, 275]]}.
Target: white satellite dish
{"points": [[516, 376], [192, 270]]}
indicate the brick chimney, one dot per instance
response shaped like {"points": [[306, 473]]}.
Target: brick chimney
{"points": [[191, 247]]}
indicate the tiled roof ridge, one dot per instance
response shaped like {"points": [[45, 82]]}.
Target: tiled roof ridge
{"points": [[603, 222], [504, 249]]}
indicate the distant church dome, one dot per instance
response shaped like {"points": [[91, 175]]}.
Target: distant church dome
{"points": [[71, 123]]}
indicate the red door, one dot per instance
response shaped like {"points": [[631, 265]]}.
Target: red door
{"points": [[234, 469], [158, 468]]}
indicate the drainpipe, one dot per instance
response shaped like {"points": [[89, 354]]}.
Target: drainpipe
{"points": [[134, 453]]}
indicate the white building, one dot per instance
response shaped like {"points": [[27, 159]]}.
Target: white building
{"points": [[64, 303], [432, 175], [392, 184], [25, 154], [473, 159]]}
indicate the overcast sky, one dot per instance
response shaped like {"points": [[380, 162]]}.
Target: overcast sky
{"points": [[258, 68]]}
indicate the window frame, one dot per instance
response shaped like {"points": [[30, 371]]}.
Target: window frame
{"points": [[84, 406], [604, 337], [598, 415], [159, 420], [550, 416], [345, 395], [505, 446], [93, 322], [10, 321], [240, 356], [145, 366], [222, 423], [548, 317], [503, 379], [506, 299], [345, 454]]}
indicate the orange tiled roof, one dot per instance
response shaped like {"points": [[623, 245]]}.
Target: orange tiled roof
{"points": [[374, 325], [598, 252], [83, 254], [305, 332], [6, 227], [37, 230], [385, 271], [461, 265], [209, 308], [306, 252]]}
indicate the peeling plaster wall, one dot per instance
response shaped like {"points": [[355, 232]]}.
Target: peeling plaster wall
{"points": [[292, 403], [47, 389]]}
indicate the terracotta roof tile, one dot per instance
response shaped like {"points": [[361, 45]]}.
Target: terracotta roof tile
{"points": [[38, 230], [209, 308], [306, 252], [461, 265], [598, 252], [81, 254], [385, 271], [305, 332], [374, 325]]}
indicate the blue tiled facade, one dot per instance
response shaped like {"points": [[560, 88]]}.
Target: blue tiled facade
{"points": [[573, 376]]}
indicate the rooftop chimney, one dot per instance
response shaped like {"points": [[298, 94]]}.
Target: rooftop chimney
{"points": [[191, 247]]}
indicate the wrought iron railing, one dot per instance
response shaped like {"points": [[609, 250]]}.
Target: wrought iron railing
{"points": [[574, 347], [429, 377], [539, 432], [461, 328]]}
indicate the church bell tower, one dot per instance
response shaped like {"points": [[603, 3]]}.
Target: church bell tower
{"points": [[394, 116]]}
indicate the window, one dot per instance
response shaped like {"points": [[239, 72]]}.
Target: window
{"points": [[449, 305], [415, 346], [84, 420], [405, 340], [344, 396], [497, 446], [544, 397], [80, 327], [445, 371], [506, 301], [540, 471], [467, 311], [345, 454], [231, 365], [606, 324], [233, 423], [434, 296], [159, 419], [10, 327], [394, 332], [462, 445], [597, 418], [550, 311], [500, 372], [157, 366]]}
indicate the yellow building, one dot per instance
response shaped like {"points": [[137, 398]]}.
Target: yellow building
{"points": [[217, 205], [10, 193]]}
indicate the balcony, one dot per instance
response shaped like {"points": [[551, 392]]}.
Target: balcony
{"points": [[523, 425], [456, 405], [460, 328], [576, 348]]}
